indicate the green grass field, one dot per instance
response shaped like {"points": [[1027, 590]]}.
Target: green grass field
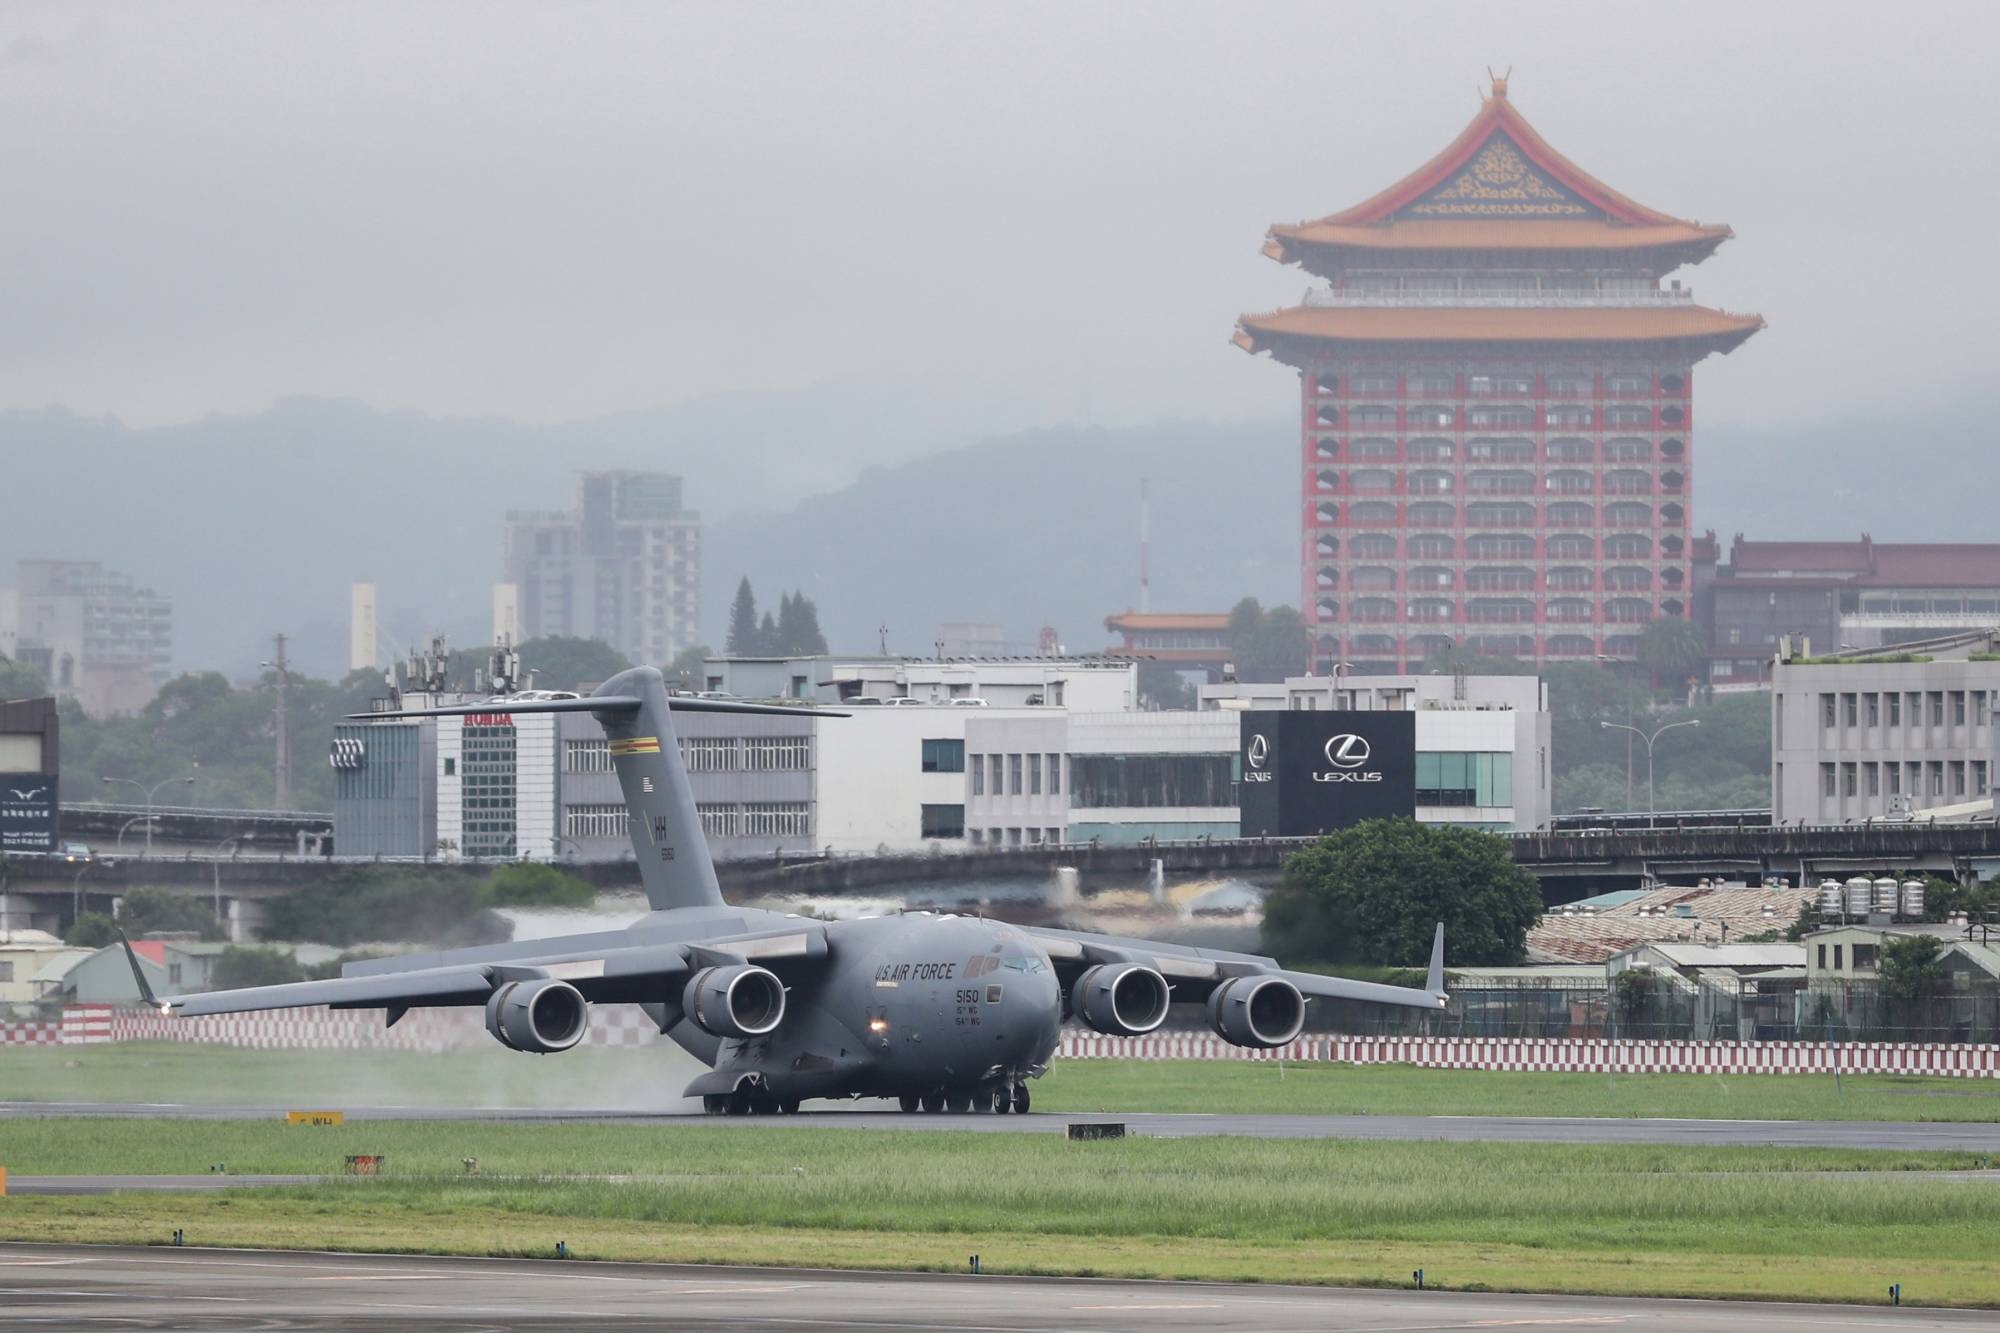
{"points": [[1749, 1222], [169, 1072]]}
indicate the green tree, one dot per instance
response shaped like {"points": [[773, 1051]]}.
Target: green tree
{"points": [[689, 669], [742, 640], [563, 662], [238, 966], [767, 636], [1673, 650], [1911, 966], [536, 884], [1458, 657], [92, 930], [387, 903], [1374, 892], [1160, 686], [798, 633], [1267, 646], [18, 680], [151, 911]]}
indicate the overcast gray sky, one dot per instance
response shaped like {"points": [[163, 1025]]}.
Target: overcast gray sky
{"points": [[549, 211]]}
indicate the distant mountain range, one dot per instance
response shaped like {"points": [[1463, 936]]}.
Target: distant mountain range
{"points": [[886, 507]]}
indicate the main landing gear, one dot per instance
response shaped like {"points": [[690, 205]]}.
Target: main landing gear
{"points": [[998, 1098], [748, 1101]]}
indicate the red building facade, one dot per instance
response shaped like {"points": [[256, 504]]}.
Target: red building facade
{"points": [[1497, 403]]}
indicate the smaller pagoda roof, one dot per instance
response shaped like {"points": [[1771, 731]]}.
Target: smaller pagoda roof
{"points": [[1498, 186], [1717, 329]]}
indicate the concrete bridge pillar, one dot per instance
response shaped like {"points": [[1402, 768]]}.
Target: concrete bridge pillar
{"points": [[244, 918]]}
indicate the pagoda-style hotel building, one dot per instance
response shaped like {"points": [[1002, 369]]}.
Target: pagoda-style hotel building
{"points": [[1497, 391]]}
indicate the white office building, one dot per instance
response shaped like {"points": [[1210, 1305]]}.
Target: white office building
{"points": [[1863, 737]]}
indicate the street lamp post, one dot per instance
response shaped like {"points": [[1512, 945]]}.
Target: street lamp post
{"points": [[1649, 738], [150, 793]]}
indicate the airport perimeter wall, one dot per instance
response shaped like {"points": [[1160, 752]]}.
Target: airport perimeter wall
{"points": [[624, 1026]]}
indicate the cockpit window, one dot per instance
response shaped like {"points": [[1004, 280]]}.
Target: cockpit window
{"points": [[1024, 963]]}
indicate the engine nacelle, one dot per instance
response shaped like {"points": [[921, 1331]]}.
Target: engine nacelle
{"points": [[740, 1000], [1121, 999], [1257, 1011], [540, 1017]]}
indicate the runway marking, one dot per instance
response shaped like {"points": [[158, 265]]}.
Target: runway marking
{"points": [[384, 1277], [41, 1263], [1156, 1305]]}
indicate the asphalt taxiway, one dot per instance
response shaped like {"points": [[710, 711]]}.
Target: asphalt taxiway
{"points": [[1981, 1137], [78, 1287]]}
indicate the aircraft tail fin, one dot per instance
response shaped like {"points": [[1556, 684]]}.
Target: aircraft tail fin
{"points": [[1434, 983], [635, 711]]}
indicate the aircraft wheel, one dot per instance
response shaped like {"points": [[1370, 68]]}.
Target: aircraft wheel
{"points": [[790, 1106], [958, 1102], [908, 1101], [933, 1101], [1020, 1099], [715, 1104], [739, 1102]]}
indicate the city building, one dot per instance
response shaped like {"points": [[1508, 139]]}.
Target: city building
{"points": [[1496, 391], [93, 633], [1483, 742], [1085, 683], [624, 566], [28, 956], [1184, 640], [1839, 595], [1884, 736]]}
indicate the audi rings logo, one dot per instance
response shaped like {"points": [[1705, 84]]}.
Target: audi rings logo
{"points": [[1347, 751], [1255, 757]]}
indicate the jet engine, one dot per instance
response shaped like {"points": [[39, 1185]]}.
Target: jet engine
{"points": [[1256, 1011], [541, 1017], [739, 1000], [1121, 999]]}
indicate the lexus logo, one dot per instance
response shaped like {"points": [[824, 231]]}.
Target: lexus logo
{"points": [[1347, 751], [1260, 750], [1255, 757]]}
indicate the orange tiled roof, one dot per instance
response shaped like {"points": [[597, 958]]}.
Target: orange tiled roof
{"points": [[1143, 620], [1619, 222], [1427, 234], [1649, 323], [1596, 937]]}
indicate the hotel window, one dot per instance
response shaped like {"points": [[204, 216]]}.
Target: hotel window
{"points": [[1569, 386], [596, 821], [1982, 708], [1874, 779], [978, 775], [1847, 708], [1937, 777], [999, 787], [1013, 775], [1958, 708], [1958, 779], [709, 754], [1628, 416], [717, 821], [1434, 381], [1895, 702], [1827, 780], [1827, 716], [1571, 451], [1850, 784], [1937, 708], [1979, 777], [1034, 775], [775, 819], [1874, 709], [943, 821], [1628, 382], [1430, 451], [587, 756], [1055, 774], [777, 754], [1374, 382], [1895, 779], [1373, 448]]}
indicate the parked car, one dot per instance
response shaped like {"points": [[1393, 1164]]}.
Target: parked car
{"points": [[77, 851]]}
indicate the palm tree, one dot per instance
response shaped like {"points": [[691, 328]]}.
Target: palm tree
{"points": [[1673, 650]]}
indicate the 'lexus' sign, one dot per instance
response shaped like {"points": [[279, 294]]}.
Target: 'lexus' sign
{"points": [[1307, 772]]}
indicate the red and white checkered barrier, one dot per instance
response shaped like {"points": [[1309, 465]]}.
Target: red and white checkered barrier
{"points": [[30, 1034], [1568, 1055], [320, 1028]]}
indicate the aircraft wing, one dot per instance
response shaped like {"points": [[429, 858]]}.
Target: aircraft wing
{"points": [[1193, 972], [607, 967]]}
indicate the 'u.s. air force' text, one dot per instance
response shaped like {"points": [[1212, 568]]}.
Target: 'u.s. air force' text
{"points": [[916, 972]]}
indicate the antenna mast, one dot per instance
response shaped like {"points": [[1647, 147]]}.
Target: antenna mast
{"points": [[1145, 545]]}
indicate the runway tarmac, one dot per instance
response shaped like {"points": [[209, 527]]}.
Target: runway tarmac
{"points": [[218, 1291], [1908, 1135]]}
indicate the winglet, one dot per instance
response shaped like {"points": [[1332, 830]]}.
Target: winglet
{"points": [[1435, 982], [139, 975]]}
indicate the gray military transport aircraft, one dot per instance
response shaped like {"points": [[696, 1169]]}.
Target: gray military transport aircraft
{"points": [[937, 1011]]}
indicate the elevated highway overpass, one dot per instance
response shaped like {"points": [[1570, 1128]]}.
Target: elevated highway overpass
{"points": [[45, 892]]}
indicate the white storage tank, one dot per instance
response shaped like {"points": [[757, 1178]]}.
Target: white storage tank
{"points": [[1913, 899], [1885, 895], [1830, 901], [1860, 893]]}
